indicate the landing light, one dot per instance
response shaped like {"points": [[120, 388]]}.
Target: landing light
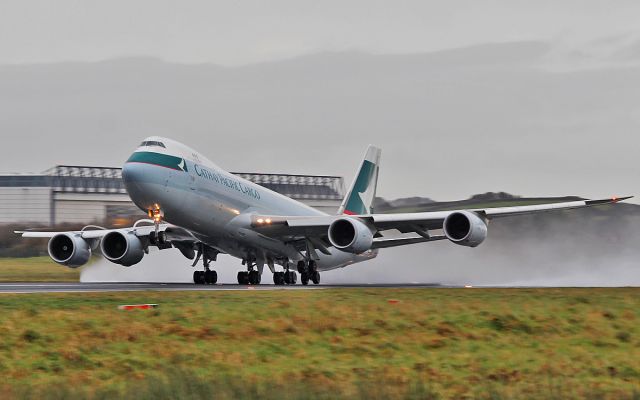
{"points": [[260, 221], [155, 213]]}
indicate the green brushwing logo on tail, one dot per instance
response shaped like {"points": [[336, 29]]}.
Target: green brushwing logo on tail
{"points": [[363, 190]]}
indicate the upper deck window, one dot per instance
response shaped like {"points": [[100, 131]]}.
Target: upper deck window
{"points": [[152, 143]]}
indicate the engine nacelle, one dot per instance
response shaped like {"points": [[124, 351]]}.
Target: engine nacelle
{"points": [[69, 250], [122, 248], [465, 228], [350, 235]]}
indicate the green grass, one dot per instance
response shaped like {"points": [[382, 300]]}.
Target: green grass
{"points": [[432, 343], [35, 269]]}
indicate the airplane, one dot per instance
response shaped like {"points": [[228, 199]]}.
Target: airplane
{"points": [[203, 211]]}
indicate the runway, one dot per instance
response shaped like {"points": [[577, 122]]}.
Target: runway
{"points": [[78, 287]]}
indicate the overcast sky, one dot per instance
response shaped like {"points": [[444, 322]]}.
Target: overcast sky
{"points": [[238, 32], [555, 113]]}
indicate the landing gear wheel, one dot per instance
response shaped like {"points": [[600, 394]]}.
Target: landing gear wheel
{"points": [[302, 266], [304, 278], [210, 277], [278, 278], [312, 266], [254, 277], [152, 238], [315, 277], [243, 278], [162, 238], [293, 277], [198, 277]]}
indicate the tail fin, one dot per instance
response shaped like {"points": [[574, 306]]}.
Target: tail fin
{"points": [[359, 199]]}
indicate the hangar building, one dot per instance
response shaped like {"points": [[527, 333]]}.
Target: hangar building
{"points": [[84, 195]]}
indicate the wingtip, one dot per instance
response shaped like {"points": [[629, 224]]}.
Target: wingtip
{"points": [[610, 200], [617, 199]]}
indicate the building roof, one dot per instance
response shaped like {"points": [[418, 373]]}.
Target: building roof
{"points": [[87, 179]]}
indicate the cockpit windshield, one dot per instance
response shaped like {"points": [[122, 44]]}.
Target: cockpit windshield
{"points": [[152, 143]]}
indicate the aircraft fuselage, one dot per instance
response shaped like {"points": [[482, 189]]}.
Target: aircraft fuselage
{"points": [[215, 205]]}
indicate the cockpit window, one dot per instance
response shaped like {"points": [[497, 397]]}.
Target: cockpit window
{"points": [[152, 143]]}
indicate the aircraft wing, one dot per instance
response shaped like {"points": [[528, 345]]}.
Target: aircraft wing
{"points": [[173, 232], [434, 220], [419, 223]]}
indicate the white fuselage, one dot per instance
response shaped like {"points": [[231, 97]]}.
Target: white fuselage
{"points": [[216, 206]]}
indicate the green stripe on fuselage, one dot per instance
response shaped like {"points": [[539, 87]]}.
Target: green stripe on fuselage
{"points": [[162, 160]]}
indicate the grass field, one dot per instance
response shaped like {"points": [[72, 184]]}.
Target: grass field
{"points": [[35, 269], [347, 343]]}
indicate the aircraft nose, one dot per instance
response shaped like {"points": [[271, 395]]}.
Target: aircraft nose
{"points": [[132, 173], [136, 178]]}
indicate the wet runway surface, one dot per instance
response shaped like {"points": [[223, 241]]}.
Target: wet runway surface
{"points": [[70, 287]]}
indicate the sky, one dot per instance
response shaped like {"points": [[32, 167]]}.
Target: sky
{"points": [[549, 111], [241, 32]]}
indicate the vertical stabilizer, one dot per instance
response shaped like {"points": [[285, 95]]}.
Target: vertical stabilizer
{"points": [[359, 199]]}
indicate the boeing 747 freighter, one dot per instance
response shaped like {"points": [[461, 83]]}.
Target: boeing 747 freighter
{"points": [[203, 211]]}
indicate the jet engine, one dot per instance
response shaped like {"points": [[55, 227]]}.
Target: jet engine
{"points": [[465, 228], [122, 248], [69, 250], [350, 235]]}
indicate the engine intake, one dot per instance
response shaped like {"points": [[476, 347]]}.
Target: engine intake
{"points": [[69, 250], [121, 248], [350, 235], [465, 228]]}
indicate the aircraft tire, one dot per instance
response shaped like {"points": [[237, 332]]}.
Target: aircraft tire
{"points": [[198, 277], [304, 278], [153, 240], [301, 266], [210, 277], [313, 267], [293, 278], [278, 278], [315, 277], [162, 238], [243, 278], [254, 277]]}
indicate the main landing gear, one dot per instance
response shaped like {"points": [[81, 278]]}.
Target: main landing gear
{"points": [[287, 277], [208, 276], [252, 276], [309, 272]]}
